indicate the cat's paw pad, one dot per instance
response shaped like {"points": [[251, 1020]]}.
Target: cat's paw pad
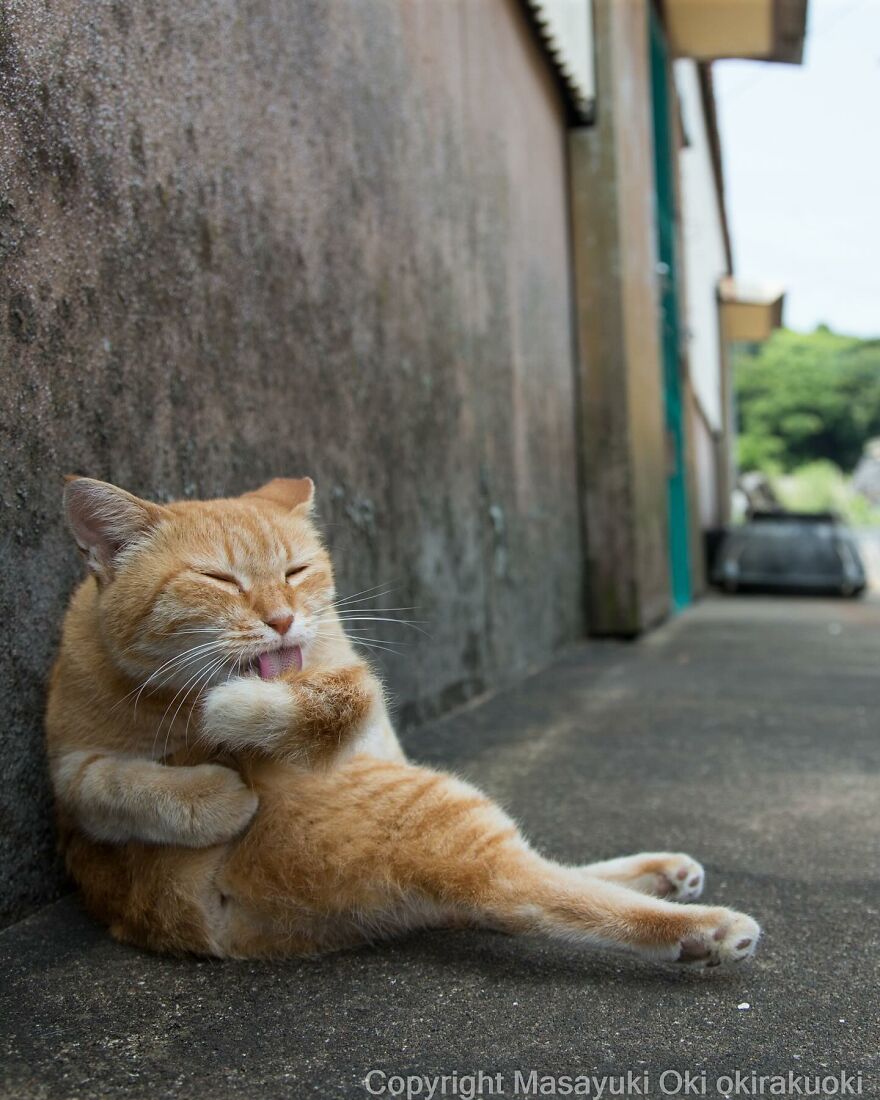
{"points": [[680, 878], [723, 937]]}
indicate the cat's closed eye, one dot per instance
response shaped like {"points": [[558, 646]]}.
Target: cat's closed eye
{"points": [[223, 578], [296, 570]]}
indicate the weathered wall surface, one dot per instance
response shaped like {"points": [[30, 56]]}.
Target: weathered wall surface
{"points": [[624, 460], [265, 237]]}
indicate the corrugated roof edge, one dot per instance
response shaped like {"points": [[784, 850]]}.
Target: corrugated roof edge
{"points": [[581, 108]]}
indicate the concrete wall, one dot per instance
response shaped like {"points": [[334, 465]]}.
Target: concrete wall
{"points": [[280, 237], [623, 453], [706, 473]]}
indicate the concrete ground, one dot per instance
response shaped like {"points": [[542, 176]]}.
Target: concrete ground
{"points": [[745, 732]]}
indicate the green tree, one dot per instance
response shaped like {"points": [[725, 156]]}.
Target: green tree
{"points": [[803, 397]]}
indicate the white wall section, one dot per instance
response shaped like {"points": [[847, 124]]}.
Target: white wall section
{"points": [[705, 259]]}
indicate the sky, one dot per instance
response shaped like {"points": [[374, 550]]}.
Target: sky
{"points": [[801, 148]]}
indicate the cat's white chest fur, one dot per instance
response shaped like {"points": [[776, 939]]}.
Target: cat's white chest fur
{"points": [[377, 739]]}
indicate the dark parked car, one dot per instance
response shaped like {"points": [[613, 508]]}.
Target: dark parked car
{"points": [[790, 551]]}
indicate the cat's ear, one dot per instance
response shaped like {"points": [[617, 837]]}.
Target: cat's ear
{"points": [[105, 520], [289, 492]]}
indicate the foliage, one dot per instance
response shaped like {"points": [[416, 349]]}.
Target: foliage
{"points": [[803, 397], [823, 487]]}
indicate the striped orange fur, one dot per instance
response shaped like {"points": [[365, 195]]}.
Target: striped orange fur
{"points": [[228, 781]]}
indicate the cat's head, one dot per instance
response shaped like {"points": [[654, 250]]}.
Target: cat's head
{"points": [[194, 591]]}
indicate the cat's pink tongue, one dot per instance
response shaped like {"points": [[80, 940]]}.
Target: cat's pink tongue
{"points": [[276, 661]]}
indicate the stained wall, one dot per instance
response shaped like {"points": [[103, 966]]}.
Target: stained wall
{"points": [[243, 239]]}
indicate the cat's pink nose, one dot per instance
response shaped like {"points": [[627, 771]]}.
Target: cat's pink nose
{"points": [[281, 622]]}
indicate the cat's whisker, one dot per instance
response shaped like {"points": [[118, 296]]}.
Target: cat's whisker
{"points": [[359, 631], [183, 666], [344, 611], [193, 630], [174, 667], [374, 596], [178, 663], [373, 645], [186, 633], [195, 681], [414, 624], [176, 657], [356, 631], [235, 668], [180, 657], [358, 638], [168, 636], [171, 704], [355, 635], [332, 615], [348, 629], [369, 610], [195, 701], [339, 605]]}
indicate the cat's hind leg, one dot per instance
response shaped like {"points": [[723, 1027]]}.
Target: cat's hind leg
{"points": [[464, 854], [671, 875], [374, 848], [459, 852], [567, 904]]}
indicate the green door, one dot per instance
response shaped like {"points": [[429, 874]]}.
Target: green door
{"points": [[664, 165]]}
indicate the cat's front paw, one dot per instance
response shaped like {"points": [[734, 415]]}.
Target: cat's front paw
{"points": [[719, 937], [217, 805], [222, 805], [247, 713]]}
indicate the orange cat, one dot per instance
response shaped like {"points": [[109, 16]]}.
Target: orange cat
{"points": [[228, 781]]}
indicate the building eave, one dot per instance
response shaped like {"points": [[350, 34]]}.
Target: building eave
{"points": [[749, 313], [578, 94], [759, 30]]}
